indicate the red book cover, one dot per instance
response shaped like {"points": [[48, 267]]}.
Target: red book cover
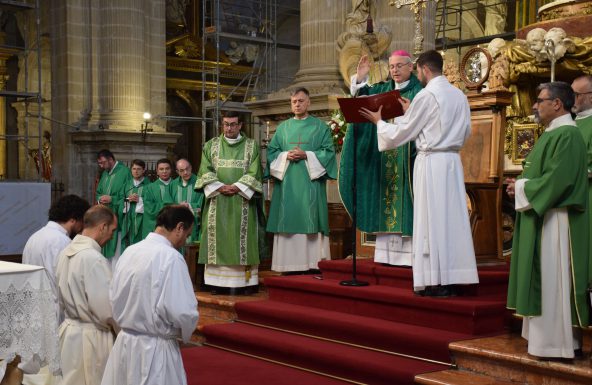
{"points": [[391, 108]]}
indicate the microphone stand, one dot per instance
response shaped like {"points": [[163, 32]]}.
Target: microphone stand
{"points": [[354, 281]]}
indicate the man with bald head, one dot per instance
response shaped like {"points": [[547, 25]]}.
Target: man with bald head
{"points": [[384, 196], [184, 194], [83, 278]]}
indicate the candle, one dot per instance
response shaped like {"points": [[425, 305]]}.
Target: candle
{"points": [[267, 131]]}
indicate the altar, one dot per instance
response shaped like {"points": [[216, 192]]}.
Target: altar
{"points": [[28, 317]]}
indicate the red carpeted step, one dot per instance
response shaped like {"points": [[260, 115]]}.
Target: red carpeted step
{"points": [[469, 315], [210, 366], [493, 280], [342, 361], [371, 332]]}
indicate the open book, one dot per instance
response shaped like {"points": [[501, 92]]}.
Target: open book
{"points": [[391, 108]]}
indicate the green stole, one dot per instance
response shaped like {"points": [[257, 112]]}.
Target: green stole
{"points": [[299, 205], [230, 233], [383, 179], [557, 178], [113, 183]]}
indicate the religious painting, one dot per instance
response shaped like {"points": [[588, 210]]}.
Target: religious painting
{"points": [[523, 138]]}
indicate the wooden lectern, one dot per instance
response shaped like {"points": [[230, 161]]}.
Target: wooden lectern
{"points": [[482, 158]]}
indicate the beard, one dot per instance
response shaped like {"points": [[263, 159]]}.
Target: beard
{"points": [[537, 118]]}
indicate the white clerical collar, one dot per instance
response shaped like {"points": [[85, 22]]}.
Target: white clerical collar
{"points": [[398, 86], [307, 115], [138, 181], [233, 141], [584, 114], [184, 182], [113, 168], [563, 120], [165, 182]]}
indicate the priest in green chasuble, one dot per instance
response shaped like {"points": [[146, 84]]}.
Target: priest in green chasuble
{"points": [[110, 192], [157, 195], [582, 87], [230, 178], [184, 194], [131, 210], [300, 158], [549, 271], [385, 198]]}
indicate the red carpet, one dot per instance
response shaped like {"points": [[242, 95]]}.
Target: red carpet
{"points": [[209, 366], [356, 328]]}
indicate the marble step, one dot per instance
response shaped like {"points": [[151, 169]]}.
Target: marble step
{"points": [[458, 377], [505, 358]]}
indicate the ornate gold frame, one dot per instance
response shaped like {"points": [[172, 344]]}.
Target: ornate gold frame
{"points": [[471, 85], [519, 144]]}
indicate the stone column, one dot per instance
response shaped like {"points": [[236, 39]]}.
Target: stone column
{"points": [[321, 22], [109, 67]]}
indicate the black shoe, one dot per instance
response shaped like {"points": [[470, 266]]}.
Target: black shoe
{"points": [[443, 291], [250, 290], [578, 354]]}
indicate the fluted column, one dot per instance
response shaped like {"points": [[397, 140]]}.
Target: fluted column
{"points": [[122, 63], [321, 22]]}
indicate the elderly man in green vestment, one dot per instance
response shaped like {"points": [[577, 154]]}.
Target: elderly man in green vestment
{"points": [[385, 200], [110, 192], [157, 195], [184, 194], [131, 213], [582, 87], [230, 177], [549, 271], [300, 158]]}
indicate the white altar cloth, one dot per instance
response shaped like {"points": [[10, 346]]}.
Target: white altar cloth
{"points": [[28, 320]]}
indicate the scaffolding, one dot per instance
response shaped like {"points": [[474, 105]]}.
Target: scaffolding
{"points": [[31, 47], [449, 22], [247, 24]]}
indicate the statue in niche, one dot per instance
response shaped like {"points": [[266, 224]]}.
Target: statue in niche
{"points": [[175, 12], [242, 52], [496, 13], [43, 161], [363, 36]]}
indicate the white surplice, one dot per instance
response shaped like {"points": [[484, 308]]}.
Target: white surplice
{"points": [[83, 277], [439, 120], [298, 252], [154, 304], [43, 249], [551, 334]]}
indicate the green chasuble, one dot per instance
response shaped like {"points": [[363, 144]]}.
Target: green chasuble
{"points": [[585, 127], [194, 198], [385, 200], [113, 184], [298, 204], [557, 178], [155, 196], [229, 223], [130, 221]]}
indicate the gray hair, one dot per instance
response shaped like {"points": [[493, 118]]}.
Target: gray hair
{"points": [[561, 91]]}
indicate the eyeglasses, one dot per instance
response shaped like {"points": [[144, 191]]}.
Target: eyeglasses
{"points": [[231, 125], [581, 93], [540, 100], [400, 65]]}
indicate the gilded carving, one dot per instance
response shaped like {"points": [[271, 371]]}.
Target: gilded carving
{"points": [[363, 36]]}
